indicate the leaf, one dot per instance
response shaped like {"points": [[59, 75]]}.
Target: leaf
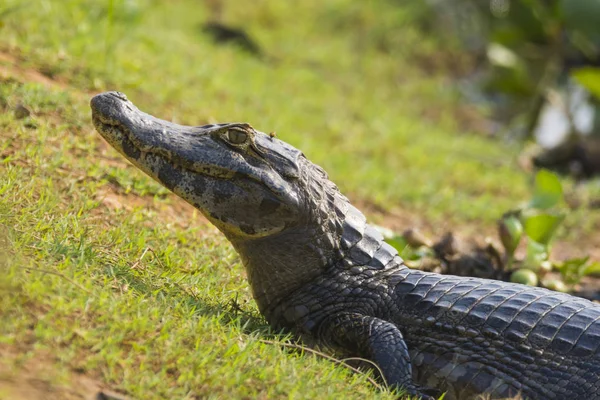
{"points": [[589, 78], [536, 254], [404, 250], [524, 276], [547, 191], [397, 241], [556, 285], [540, 227], [502, 56], [510, 231], [387, 233], [591, 269], [573, 269]]}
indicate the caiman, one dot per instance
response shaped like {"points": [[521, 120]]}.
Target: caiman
{"points": [[317, 269]]}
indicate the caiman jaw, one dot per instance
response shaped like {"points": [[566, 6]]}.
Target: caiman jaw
{"points": [[224, 170], [111, 129], [117, 129], [117, 135]]}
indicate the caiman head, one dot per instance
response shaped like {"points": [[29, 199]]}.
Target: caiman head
{"points": [[279, 211]]}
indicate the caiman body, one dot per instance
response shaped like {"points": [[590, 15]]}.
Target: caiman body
{"points": [[316, 268]]}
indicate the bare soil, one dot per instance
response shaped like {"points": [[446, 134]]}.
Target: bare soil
{"points": [[34, 378]]}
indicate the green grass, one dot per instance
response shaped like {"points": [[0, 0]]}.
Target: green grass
{"points": [[175, 321], [342, 81], [326, 87]]}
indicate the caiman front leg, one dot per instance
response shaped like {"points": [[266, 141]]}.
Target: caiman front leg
{"points": [[376, 340]]}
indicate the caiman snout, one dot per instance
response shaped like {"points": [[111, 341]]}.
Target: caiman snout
{"points": [[100, 99], [109, 106]]}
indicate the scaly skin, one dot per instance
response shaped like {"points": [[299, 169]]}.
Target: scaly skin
{"points": [[316, 268]]}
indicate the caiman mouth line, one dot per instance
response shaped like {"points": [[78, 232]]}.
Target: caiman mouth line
{"points": [[113, 129], [120, 132], [227, 151], [122, 136]]}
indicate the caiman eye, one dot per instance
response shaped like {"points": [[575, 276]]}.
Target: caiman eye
{"points": [[236, 137]]}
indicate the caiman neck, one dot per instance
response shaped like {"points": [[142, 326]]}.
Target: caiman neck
{"points": [[278, 265], [344, 244], [330, 237]]}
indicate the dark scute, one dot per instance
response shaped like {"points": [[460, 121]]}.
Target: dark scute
{"points": [[130, 150], [248, 229], [169, 177], [222, 193], [268, 206], [199, 186]]}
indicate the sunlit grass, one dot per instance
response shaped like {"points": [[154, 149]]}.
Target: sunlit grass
{"points": [[337, 81], [114, 278]]}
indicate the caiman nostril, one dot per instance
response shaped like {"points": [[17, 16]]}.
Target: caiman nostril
{"points": [[119, 95]]}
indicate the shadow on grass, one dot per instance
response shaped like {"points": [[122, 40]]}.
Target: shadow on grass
{"points": [[229, 313]]}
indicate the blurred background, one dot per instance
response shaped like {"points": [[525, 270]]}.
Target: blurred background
{"points": [[445, 103], [431, 114], [436, 115]]}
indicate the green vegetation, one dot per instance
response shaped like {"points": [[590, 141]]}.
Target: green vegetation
{"points": [[539, 220], [533, 225], [105, 274], [327, 87], [533, 48]]}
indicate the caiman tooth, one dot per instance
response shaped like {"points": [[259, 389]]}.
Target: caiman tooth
{"points": [[354, 227]]}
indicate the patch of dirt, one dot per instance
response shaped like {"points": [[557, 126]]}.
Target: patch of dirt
{"points": [[175, 210], [396, 219], [399, 219], [35, 379], [10, 68], [589, 247]]}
